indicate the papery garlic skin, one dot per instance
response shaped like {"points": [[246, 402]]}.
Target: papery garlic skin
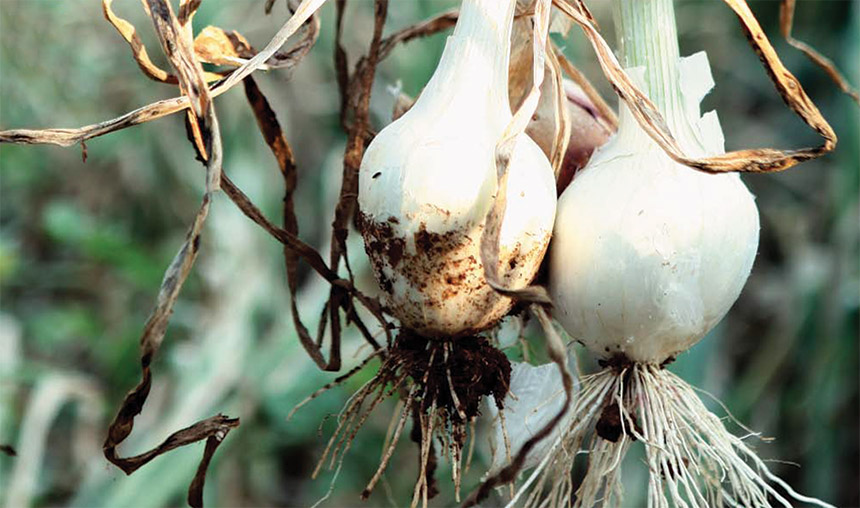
{"points": [[648, 255], [428, 180], [536, 396]]}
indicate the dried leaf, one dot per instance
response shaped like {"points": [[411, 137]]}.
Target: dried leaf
{"points": [[274, 136], [214, 45], [504, 151], [558, 355], [758, 160], [786, 20], [129, 33], [606, 113], [68, 137], [177, 46]]}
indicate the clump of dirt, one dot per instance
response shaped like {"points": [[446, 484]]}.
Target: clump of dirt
{"points": [[468, 368]]}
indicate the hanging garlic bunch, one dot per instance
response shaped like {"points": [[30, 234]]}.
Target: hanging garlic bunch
{"points": [[428, 180], [647, 256]]}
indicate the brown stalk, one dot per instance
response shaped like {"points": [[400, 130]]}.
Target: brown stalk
{"points": [[177, 46], [557, 353], [138, 50], [786, 21], [759, 160]]}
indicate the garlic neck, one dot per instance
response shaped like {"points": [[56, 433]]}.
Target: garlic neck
{"points": [[472, 75], [648, 38]]}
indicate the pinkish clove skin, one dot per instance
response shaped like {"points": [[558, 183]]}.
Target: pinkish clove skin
{"points": [[588, 131]]}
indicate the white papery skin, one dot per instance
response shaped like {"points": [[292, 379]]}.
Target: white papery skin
{"points": [[428, 180], [648, 255], [536, 396]]}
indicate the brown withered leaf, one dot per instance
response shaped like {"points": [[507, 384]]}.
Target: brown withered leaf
{"points": [[759, 160], [504, 151], [219, 47], [277, 142], [786, 21], [431, 26], [176, 44], [606, 113], [129, 33], [558, 355]]}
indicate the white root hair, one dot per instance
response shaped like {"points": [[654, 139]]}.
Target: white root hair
{"points": [[693, 460]]}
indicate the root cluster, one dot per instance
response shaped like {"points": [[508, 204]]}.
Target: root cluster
{"points": [[441, 383], [693, 460]]}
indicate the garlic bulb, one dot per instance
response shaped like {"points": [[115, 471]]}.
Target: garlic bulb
{"points": [[428, 180], [648, 255]]}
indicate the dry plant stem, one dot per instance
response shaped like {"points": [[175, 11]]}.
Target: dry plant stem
{"points": [[358, 87], [607, 114], [129, 33], [786, 21], [69, 137], [504, 151], [760, 160], [277, 142], [177, 47], [558, 355]]}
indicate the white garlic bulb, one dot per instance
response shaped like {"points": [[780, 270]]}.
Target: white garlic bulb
{"points": [[428, 180], [648, 255]]}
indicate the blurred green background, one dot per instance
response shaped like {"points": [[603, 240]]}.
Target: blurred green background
{"points": [[83, 248]]}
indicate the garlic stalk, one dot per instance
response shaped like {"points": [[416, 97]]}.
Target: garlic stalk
{"points": [[648, 254], [428, 180]]}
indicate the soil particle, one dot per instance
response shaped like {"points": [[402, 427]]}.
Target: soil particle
{"points": [[381, 239]]}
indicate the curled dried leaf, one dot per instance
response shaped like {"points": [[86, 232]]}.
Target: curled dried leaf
{"points": [[759, 160], [219, 47], [177, 46], [504, 151], [138, 50], [786, 21]]}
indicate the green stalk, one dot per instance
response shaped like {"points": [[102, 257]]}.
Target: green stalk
{"points": [[648, 38]]}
